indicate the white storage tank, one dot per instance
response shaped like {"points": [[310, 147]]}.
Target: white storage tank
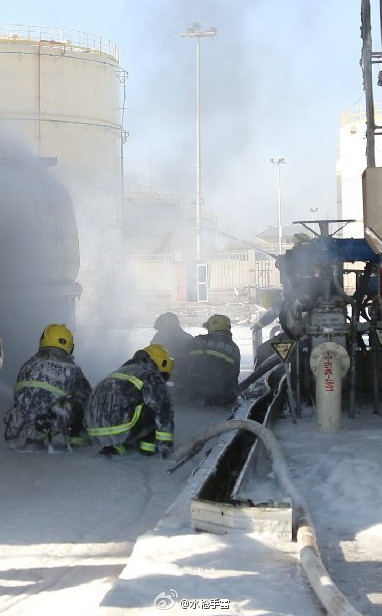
{"points": [[62, 95], [351, 164]]}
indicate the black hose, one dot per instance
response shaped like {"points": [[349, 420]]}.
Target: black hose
{"points": [[267, 365]]}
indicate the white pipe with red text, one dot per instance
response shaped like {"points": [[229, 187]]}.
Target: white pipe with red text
{"points": [[329, 362]]}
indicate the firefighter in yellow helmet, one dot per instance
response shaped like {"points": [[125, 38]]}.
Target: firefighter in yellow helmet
{"points": [[132, 406], [214, 363], [50, 394]]}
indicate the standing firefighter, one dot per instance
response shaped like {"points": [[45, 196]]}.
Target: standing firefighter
{"points": [[133, 405], [50, 394], [214, 363]]}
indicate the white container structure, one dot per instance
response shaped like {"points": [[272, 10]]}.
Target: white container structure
{"points": [[351, 163], [62, 95]]}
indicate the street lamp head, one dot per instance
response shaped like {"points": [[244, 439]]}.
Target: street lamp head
{"points": [[195, 31], [278, 161]]}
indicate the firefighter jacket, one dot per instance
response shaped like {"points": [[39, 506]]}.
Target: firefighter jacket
{"points": [[177, 342], [47, 381], [132, 404], [213, 368]]}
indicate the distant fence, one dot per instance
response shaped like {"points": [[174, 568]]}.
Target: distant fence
{"points": [[159, 273]]}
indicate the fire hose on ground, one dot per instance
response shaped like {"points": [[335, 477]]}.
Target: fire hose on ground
{"points": [[330, 596]]}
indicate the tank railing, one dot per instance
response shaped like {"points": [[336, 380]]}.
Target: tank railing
{"points": [[358, 114], [72, 39]]}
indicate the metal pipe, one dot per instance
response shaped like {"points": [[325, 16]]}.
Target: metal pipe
{"points": [[196, 32], [123, 75], [376, 359], [280, 232], [375, 380], [329, 362], [40, 43], [328, 392], [298, 377], [366, 64], [198, 154], [278, 162], [39, 96], [289, 392], [353, 339], [257, 339]]}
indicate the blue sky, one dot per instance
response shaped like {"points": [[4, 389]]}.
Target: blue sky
{"points": [[274, 83]]}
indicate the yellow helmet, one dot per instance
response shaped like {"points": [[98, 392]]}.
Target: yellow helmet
{"points": [[58, 336], [269, 296], [218, 322], [161, 358]]}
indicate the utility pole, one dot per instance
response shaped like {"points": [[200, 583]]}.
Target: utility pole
{"points": [[197, 33], [278, 162], [366, 64]]}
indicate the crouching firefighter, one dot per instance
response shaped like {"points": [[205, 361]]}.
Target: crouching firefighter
{"points": [[214, 364], [132, 406], [50, 395]]}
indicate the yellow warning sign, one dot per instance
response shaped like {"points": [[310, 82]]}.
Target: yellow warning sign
{"points": [[283, 349]]}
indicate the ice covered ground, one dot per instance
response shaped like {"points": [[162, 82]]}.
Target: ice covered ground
{"points": [[339, 475], [69, 524]]}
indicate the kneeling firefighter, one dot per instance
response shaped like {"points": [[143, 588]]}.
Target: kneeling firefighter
{"points": [[50, 394], [133, 405]]}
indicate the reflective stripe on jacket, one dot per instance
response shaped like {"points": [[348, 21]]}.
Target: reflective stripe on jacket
{"points": [[226, 358], [112, 430], [41, 385], [127, 377], [125, 427]]}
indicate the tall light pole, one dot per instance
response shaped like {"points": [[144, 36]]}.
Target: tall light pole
{"points": [[278, 162], [195, 32]]}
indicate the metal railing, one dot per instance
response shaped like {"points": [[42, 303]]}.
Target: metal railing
{"points": [[72, 39], [229, 256], [358, 114]]}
